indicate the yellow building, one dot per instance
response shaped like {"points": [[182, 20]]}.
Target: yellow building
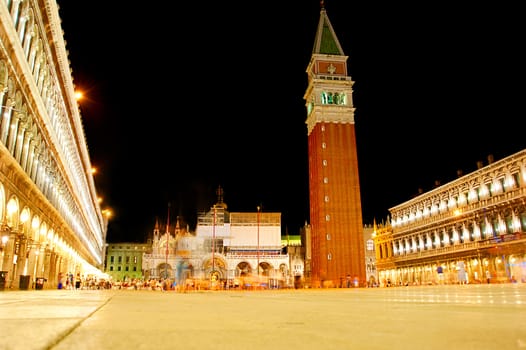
{"points": [[124, 260]]}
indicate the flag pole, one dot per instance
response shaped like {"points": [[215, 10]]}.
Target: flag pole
{"points": [[167, 242]]}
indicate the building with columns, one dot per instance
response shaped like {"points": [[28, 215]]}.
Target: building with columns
{"points": [[51, 222], [468, 230]]}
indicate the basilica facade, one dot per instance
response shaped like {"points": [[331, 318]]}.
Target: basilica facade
{"points": [[227, 250]]}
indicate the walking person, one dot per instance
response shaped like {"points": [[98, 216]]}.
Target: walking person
{"points": [[462, 277], [440, 272], [77, 281]]}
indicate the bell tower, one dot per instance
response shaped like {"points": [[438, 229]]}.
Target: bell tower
{"points": [[334, 188]]}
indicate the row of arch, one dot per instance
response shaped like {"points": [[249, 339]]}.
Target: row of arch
{"points": [[32, 247], [478, 269], [477, 230], [216, 269], [503, 180]]}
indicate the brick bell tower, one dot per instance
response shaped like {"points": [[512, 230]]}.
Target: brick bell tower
{"points": [[334, 187]]}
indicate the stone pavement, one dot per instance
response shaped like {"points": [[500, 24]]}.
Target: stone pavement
{"points": [[438, 317]]}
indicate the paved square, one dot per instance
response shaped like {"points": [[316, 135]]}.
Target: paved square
{"points": [[439, 317]]}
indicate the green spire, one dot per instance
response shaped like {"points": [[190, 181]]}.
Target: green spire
{"points": [[326, 41]]}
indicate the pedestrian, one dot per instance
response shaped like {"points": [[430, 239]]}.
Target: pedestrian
{"points": [[69, 283], [77, 281], [440, 272], [462, 278], [488, 276]]}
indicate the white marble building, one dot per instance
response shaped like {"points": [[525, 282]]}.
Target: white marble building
{"points": [[227, 249]]}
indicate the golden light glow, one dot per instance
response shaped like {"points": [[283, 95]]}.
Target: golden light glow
{"points": [[107, 213], [78, 95], [12, 207], [24, 216]]}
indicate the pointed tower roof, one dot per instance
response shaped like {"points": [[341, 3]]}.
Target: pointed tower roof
{"points": [[326, 41], [220, 193]]}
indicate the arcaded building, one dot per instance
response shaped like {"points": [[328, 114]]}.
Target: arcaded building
{"points": [[468, 230], [337, 248], [51, 223]]}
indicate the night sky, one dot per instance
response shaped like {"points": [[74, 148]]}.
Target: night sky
{"points": [[181, 101]]}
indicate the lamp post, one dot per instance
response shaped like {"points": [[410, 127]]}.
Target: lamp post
{"points": [[212, 275], [5, 238], [37, 251], [167, 243], [259, 211]]}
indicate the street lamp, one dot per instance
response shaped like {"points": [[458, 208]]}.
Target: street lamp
{"points": [[259, 211], [5, 238], [213, 245], [37, 252], [167, 243]]}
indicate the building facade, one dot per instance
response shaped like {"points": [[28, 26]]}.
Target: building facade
{"points": [[50, 217], [371, 272], [470, 230], [124, 261], [227, 250], [334, 186]]}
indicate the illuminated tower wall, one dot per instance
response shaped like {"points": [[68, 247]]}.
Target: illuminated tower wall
{"points": [[334, 186]]}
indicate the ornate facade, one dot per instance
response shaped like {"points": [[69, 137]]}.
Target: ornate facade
{"points": [[228, 249], [470, 229], [51, 221]]}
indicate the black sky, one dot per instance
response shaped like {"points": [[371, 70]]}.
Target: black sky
{"points": [[183, 100]]}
